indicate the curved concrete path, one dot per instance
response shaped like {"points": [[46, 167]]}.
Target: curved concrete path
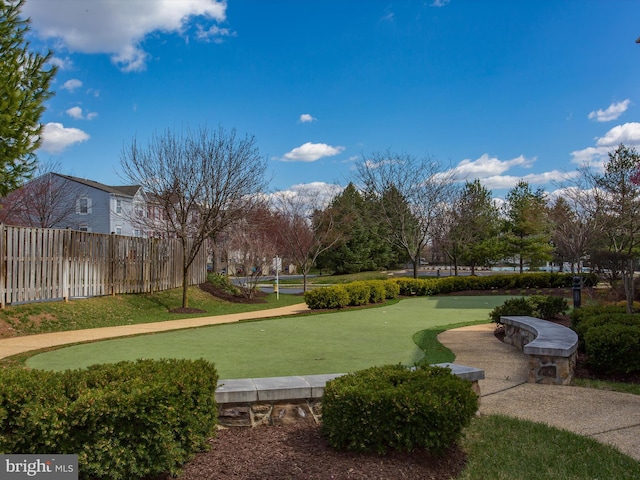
{"points": [[15, 345], [609, 417]]}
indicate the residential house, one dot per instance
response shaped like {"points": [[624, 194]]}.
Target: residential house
{"points": [[62, 201]]}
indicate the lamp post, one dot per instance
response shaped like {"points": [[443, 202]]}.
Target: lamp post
{"points": [[577, 291]]}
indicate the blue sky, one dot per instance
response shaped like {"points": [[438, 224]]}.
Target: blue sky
{"points": [[498, 90]]}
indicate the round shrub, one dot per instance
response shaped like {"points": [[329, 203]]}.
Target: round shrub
{"points": [[393, 407], [327, 297], [359, 293], [614, 348], [512, 306]]}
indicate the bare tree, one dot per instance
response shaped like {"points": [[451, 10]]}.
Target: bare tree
{"points": [[202, 181], [253, 249], [305, 226], [46, 201], [410, 195]]}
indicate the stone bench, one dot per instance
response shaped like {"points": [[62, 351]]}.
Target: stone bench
{"points": [[551, 348], [250, 402]]}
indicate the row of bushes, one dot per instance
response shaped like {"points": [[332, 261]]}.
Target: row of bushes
{"points": [[392, 407], [357, 293], [125, 420], [351, 294], [610, 338]]}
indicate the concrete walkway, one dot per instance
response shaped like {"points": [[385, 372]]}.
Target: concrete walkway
{"points": [[16, 345], [609, 417]]}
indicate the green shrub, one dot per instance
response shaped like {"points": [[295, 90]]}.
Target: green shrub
{"points": [[327, 297], [377, 291], [223, 282], [512, 306], [547, 306], [613, 348], [359, 293], [391, 289], [392, 407], [538, 306], [125, 420]]}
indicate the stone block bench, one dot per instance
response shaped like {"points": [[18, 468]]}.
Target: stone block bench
{"points": [[250, 402], [551, 348]]}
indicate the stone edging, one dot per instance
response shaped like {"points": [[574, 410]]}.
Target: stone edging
{"points": [[280, 400], [551, 348]]}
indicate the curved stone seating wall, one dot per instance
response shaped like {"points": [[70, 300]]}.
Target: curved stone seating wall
{"points": [[551, 348], [251, 402]]}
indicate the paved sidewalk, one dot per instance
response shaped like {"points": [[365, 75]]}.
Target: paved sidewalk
{"points": [[16, 345], [609, 417]]}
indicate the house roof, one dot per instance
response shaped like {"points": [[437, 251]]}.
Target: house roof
{"points": [[128, 190]]}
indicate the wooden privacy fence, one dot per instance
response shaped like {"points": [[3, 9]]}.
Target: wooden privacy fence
{"points": [[40, 264]]}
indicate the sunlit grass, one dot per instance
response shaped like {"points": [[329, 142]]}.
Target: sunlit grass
{"points": [[117, 310]]}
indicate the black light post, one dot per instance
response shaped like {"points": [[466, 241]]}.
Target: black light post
{"points": [[577, 291]]}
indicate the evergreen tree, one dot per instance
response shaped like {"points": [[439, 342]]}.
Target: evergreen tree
{"points": [[527, 226], [25, 77]]}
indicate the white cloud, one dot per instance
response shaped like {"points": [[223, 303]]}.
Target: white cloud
{"points": [[116, 28], [510, 181], [628, 133], [56, 137], [214, 33], [310, 152], [612, 112], [314, 194], [75, 112], [306, 118], [62, 63], [72, 84], [487, 166], [78, 114], [439, 3]]}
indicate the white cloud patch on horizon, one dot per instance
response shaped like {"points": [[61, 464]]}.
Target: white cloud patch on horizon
{"points": [[499, 182], [310, 152], [307, 118], [56, 137], [612, 112], [628, 134], [487, 166], [117, 28], [72, 84]]}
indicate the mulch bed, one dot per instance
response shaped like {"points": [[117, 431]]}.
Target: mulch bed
{"points": [[300, 451]]}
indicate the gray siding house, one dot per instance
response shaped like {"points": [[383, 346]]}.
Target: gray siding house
{"points": [[62, 201]]}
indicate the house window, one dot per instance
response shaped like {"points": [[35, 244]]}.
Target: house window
{"points": [[137, 233], [118, 206], [118, 230], [83, 206], [84, 228]]}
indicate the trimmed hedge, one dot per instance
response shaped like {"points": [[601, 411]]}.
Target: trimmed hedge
{"points": [[393, 407], [354, 293], [613, 348], [351, 294], [125, 420]]}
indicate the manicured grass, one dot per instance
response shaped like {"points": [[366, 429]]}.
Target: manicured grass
{"points": [[503, 448], [633, 388], [337, 279], [116, 310], [311, 344]]}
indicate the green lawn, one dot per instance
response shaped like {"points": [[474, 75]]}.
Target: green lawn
{"points": [[324, 343]]}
